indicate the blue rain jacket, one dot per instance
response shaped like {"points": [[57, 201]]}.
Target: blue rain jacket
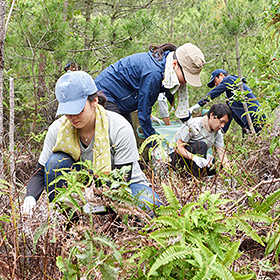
{"points": [[134, 83], [228, 85]]}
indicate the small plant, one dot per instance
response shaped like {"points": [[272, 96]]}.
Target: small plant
{"points": [[90, 256]]}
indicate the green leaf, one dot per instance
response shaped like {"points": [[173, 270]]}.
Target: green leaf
{"points": [[231, 254], [221, 271], [171, 198], [39, 232], [170, 254], [245, 227], [164, 233], [238, 276], [256, 217], [168, 221], [273, 242], [109, 272], [269, 202], [204, 273], [186, 209]]}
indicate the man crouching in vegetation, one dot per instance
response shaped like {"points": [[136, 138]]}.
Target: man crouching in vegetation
{"points": [[189, 149]]}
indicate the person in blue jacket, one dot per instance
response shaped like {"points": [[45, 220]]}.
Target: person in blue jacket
{"points": [[223, 82], [134, 82]]}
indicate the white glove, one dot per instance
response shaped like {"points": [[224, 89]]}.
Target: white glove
{"points": [[201, 161], [193, 126], [155, 119], [28, 205], [194, 108], [94, 208]]}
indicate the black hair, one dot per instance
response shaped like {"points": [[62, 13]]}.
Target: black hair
{"points": [[160, 49], [220, 110], [102, 99]]}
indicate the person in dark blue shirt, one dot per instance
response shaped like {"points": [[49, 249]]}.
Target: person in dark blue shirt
{"points": [[134, 82], [222, 82]]}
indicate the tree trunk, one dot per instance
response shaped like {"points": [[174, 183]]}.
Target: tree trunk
{"points": [[2, 62], [248, 117], [11, 132], [249, 120], [41, 78]]}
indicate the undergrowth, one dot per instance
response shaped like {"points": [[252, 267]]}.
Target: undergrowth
{"points": [[223, 227]]}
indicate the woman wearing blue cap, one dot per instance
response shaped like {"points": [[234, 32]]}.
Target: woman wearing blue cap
{"points": [[228, 84], [86, 131]]}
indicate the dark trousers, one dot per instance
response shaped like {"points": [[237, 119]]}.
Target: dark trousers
{"points": [[182, 163], [59, 161], [111, 106]]}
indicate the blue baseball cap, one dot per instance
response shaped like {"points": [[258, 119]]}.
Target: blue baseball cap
{"points": [[214, 74], [72, 90]]}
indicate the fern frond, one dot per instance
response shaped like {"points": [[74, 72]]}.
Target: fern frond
{"points": [[105, 240], [171, 198], [144, 255], [196, 217], [231, 255], [269, 202], [246, 228], [166, 211], [108, 272], [238, 276], [168, 221], [215, 244], [186, 209], [39, 232], [256, 217], [164, 233], [205, 273], [221, 271], [197, 256], [204, 250], [273, 242], [170, 254]]}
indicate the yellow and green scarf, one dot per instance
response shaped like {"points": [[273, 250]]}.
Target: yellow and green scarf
{"points": [[68, 141]]}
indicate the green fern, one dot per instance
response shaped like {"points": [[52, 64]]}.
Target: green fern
{"points": [[231, 255], [171, 198], [221, 271], [256, 217], [168, 221], [166, 211], [186, 209], [170, 254], [215, 244], [205, 273], [246, 228], [266, 205], [238, 276], [273, 241], [164, 233], [39, 232]]}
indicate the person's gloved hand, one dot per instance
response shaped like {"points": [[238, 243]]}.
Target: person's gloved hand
{"points": [[155, 119], [193, 126], [194, 108], [28, 205], [201, 162]]}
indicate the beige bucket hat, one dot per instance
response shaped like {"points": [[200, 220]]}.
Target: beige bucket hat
{"points": [[191, 59]]}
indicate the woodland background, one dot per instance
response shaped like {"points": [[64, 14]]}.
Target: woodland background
{"points": [[37, 38]]}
